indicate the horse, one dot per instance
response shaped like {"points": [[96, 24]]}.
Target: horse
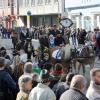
{"points": [[86, 56], [29, 48]]}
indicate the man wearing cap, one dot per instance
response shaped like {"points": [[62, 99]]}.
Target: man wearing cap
{"points": [[42, 91]]}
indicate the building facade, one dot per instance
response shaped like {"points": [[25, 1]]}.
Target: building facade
{"points": [[39, 12], [84, 13], [8, 13]]}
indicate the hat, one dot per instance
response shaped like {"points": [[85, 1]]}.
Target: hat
{"points": [[45, 76]]}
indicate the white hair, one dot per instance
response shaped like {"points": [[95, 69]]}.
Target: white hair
{"points": [[78, 81], [22, 80]]}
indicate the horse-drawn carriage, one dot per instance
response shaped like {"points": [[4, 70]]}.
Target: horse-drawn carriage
{"points": [[67, 55]]}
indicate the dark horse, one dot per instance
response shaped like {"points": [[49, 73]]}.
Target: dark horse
{"points": [[28, 47]]}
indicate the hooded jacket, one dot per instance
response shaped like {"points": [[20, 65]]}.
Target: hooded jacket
{"points": [[42, 92]]}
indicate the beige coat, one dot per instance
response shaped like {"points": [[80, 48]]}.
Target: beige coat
{"points": [[22, 96]]}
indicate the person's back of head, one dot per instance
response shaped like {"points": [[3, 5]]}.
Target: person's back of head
{"points": [[28, 68], [47, 66], [58, 67], [78, 82], [69, 78]]}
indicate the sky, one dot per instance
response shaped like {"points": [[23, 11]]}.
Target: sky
{"points": [[77, 3]]}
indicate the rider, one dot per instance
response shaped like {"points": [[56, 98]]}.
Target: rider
{"points": [[59, 41]]}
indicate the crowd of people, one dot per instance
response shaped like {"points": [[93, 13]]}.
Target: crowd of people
{"points": [[18, 81], [26, 76]]}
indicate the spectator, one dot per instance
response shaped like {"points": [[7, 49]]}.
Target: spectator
{"points": [[42, 91], [7, 66], [76, 89], [14, 38], [47, 66], [56, 72], [51, 41], [17, 68], [93, 92], [64, 86], [59, 41], [28, 68], [23, 56], [53, 30], [4, 54], [82, 36], [25, 86], [28, 71], [7, 84], [98, 43]]}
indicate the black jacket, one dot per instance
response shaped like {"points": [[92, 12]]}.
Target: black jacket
{"points": [[7, 86], [59, 41]]}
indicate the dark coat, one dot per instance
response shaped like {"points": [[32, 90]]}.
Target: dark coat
{"points": [[61, 89], [59, 41], [7, 86], [82, 37], [73, 94], [53, 32]]}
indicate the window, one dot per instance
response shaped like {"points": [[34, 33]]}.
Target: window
{"points": [[47, 1], [32, 2], [40, 1]]}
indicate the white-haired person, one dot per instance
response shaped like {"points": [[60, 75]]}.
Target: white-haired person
{"points": [[76, 89], [93, 92], [25, 86]]}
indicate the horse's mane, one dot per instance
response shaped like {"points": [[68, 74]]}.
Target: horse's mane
{"points": [[67, 52]]}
